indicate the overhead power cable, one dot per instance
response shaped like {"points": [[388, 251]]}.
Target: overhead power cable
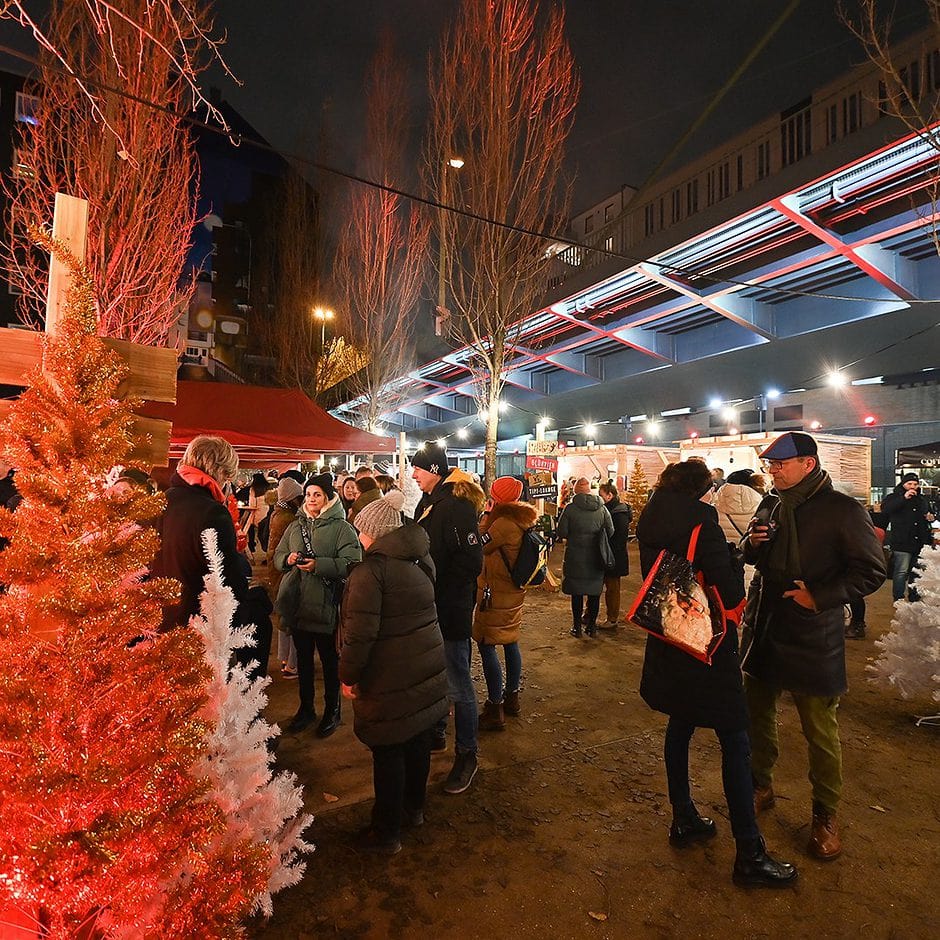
{"points": [[238, 139]]}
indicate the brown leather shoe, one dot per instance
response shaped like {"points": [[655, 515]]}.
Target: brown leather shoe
{"points": [[764, 798], [491, 718], [511, 704], [824, 841]]}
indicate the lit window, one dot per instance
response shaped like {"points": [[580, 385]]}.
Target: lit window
{"points": [[26, 108]]}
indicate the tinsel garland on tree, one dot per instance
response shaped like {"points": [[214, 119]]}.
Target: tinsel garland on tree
{"points": [[105, 828], [910, 652]]}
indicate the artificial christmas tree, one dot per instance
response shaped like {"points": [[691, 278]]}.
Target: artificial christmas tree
{"points": [[910, 653], [108, 826], [637, 490]]}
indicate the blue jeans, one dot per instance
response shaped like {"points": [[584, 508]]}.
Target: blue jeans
{"points": [[735, 775], [901, 563], [463, 696], [493, 673]]}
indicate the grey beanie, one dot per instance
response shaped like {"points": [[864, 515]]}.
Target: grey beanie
{"points": [[288, 488], [381, 516]]}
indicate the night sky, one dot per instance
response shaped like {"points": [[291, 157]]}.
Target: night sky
{"points": [[648, 68]]}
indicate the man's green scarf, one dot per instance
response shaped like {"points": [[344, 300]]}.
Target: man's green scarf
{"points": [[783, 556]]}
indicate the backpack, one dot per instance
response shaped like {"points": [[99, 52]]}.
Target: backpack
{"points": [[531, 567]]}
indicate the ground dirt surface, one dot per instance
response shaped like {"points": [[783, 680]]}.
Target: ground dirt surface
{"points": [[564, 831]]}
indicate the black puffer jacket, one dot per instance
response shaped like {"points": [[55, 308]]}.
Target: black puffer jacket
{"points": [[189, 511], [906, 520], [580, 525], [621, 515], [841, 559], [450, 520], [392, 646], [673, 681]]}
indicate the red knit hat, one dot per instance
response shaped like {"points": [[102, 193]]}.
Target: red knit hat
{"points": [[506, 490]]}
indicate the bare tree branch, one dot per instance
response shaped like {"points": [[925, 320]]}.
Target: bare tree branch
{"points": [[380, 261], [139, 179], [503, 90]]}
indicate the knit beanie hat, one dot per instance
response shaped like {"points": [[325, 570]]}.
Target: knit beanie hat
{"points": [[287, 489], [431, 457], [381, 516], [506, 490], [910, 478], [324, 481]]}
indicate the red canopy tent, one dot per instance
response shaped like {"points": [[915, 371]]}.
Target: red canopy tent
{"points": [[267, 426]]}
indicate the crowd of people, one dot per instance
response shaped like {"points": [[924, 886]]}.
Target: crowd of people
{"points": [[391, 606]]}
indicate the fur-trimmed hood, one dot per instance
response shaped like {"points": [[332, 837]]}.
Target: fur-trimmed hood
{"points": [[523, 514], [463, 487]]}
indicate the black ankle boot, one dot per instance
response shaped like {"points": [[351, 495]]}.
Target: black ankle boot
{"points": [[591, 629], [754, 868], [688, 828], [576, 629], [331, 721]]}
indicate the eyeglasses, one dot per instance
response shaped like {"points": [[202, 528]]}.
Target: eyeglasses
{"points": [[775, 464]]}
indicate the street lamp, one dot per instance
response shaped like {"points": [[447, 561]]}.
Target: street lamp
{"points": [[322, 314]]}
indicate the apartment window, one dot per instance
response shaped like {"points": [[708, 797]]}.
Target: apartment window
{"points": [[796, 139], [26, 108], [648, 220], [608, 212], [851, 113], [676, 205], [724, 181], [571, 255], [589, 225], [763, 160], [691, 197], [933, 69], [832, 126], [710, 188], [910, 79], [21, 168], [740, 172], [609, 243]]}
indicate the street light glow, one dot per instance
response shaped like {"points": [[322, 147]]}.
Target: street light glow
{"points": [[441, 442], [729, 414], [815, 425], [836, 379], [323, 313], [773, 394], [590, 429], [715, 403], [455, 163], [502, 406], [462, 433]]}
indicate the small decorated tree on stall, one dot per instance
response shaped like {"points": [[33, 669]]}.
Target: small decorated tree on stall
{"points": [[637, 490], [910, 653], [109, 824]]}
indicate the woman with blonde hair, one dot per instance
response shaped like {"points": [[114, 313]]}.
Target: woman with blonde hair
{"points": [[194, 503]]}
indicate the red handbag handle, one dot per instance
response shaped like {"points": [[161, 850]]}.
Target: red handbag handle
{"points": [[693, 541]]}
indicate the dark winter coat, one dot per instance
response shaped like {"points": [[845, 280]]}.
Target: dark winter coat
{"points": [[281, 519], [581, 523], [363, 500], [673, 681], [504, 525], [450, 520], [621, 515], [841, 560], [336, 546], [190, 510], [392, 646], [906, 519]]}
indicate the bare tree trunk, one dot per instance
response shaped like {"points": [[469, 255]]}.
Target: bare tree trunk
{"points": [[503, 94]]}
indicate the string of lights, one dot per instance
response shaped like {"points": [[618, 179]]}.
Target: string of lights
{"points": [[240, 139]]}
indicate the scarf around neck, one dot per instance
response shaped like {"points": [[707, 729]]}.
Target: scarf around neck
{"points": [[783, 556], [196, 477]]}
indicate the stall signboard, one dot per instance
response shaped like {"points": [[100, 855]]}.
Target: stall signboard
{"points": [[541, 466]]}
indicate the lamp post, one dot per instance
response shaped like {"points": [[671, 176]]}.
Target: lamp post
{"points": [[322, 314]]}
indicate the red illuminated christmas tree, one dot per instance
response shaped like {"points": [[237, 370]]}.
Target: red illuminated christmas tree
{"points": [[106, 829]]}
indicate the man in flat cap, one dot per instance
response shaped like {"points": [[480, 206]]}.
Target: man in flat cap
{"points": [[448, 512], [815, 550]]}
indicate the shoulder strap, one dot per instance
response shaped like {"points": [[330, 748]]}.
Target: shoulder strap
{"points": [[733, 523], [308, 546], [693, 541]]}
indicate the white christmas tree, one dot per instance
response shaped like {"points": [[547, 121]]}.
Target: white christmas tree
{"points": [[910, 653], [258, 805]]}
